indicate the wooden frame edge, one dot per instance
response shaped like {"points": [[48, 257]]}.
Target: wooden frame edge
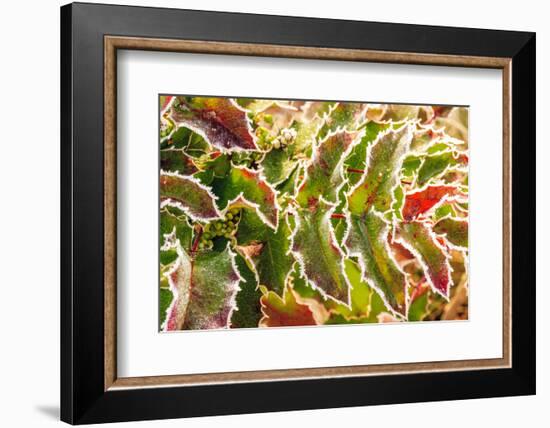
{"points": [[112, 43], [109, 198]]}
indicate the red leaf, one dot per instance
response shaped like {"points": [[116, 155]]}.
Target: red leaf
{"points": [[166, 100], [419, 202], [285, 311]]}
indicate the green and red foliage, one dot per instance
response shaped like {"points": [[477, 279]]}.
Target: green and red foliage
{"points": [[294, 213]]}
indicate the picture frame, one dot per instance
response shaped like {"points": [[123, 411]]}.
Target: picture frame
{"points": [[91, 390]]}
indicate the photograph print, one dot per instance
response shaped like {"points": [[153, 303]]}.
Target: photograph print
{"points": [[279, 213]]}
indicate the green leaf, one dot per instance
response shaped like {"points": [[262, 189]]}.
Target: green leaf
{"points": [[277, 165], [367, 239], [217, 166], [174, 225], [434, 165], [366, 304], [382, 173], [316, 250], [289, 311], [190, 142], [204, 287], [247, 187], [289, 185], [306, 135], [324, 175], [410, 165], [344, 116], [445, 210], [361, 292], [187, 193], [420, 240], [248, 311], [177, 161], [220, 121], [418, 308], [267, 250], [356, 161], [454, 230], [165, 298]]}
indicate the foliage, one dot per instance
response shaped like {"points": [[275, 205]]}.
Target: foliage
{"points": [[293, 213]]}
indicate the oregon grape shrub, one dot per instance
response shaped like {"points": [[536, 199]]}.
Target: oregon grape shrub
{"points": [[291, 213]]}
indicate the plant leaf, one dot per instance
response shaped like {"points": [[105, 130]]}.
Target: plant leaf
{"points": [[316, 250], [248, 312], [455, 231], [268, 250], [358, 155], [220, 121], [285, 311], [324, 176], [436, 164], [186, 192], [248, 186], [277, 165], [433, 257], [177, 161], [184, 138], [367, 239], [343, 116], [174, 225], [382, 172], [306, 134], [418, 307], [204, 288], [419, 202]]}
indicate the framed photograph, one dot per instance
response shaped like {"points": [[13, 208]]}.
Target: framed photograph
{"points": [[266, 213]]}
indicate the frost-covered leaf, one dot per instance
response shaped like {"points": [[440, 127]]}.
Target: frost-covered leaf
{"points": [[267, 250], [382, 172], [421, 241], [367, 239], [343, 116], [188, 194], [220, 121], [306, 135], [361, 294], [289, 311], [248, 312], [214, 165], [247, 186], [418, 307], [324, 175], [435, 165], [356, 161], [204, 288], [418, 202], [173, 226], [193, 144], [316, 250], [177, 161], [289, 185], [277, 165], [454, 230], [274, 117]]}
